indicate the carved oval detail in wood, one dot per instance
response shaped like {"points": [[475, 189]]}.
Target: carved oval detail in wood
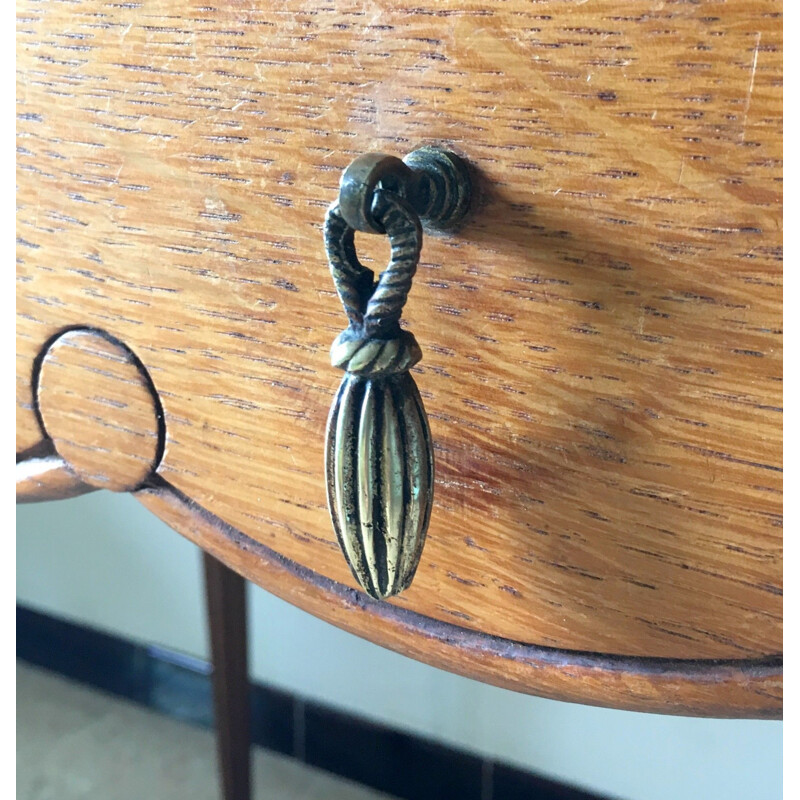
{"points": [[98, 405]]}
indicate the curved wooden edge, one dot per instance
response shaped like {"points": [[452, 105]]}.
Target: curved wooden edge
{"points": [[46, 476], [749, 688]]}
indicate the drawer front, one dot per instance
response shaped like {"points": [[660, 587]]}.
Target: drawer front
{"points": [[602, 345]]}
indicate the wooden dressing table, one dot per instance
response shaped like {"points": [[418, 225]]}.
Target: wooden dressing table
{"points": [[602, 339]]}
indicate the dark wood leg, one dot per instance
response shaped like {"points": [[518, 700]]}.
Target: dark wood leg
{"points": [[227, 622]]}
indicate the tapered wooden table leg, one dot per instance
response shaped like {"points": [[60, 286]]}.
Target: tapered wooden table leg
{"points": [[227, 622]]}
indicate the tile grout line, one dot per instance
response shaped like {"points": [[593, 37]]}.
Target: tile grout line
{"points": [[299, 729], [487, 779]]}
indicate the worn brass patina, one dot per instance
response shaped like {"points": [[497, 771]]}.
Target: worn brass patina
{"points": [[379, 455]]}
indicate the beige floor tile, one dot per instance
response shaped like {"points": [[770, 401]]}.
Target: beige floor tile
{"points": [[75, 744]]}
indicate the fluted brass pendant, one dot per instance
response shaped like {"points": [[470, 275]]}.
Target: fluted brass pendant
{"points": [[379, 465], [379, 457]]}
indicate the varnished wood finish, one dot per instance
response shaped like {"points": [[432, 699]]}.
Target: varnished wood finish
{"points": [[227, 625], [97, 405], [734, 688], [602, 344], [47, 477]]}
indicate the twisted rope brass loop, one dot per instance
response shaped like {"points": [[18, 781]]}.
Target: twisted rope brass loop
{"points": [[374, 343]]}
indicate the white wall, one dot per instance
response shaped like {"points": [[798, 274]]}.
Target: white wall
{"points": [[103, 560]]}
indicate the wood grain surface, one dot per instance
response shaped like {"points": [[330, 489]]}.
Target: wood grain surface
{"points": [[602, 342], [97, 406], [47, 477], [721, 688]]}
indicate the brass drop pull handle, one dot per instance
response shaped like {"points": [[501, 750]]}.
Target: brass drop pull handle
{"points": [[379, 455]]}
